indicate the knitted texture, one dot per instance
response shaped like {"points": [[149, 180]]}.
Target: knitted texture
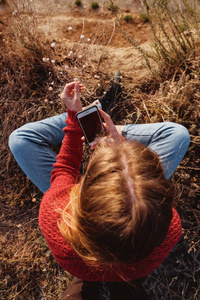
{"points": [[63, 177]]}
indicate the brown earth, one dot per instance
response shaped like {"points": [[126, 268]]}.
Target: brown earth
{"points": [[23, 244], [108, 49]]}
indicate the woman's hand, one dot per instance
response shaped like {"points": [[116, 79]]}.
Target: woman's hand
{"points": [[70, 96], [112, 133], [111, 129]]}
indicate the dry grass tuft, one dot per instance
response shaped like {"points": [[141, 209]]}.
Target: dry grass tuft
{"points": [[30, 87]]}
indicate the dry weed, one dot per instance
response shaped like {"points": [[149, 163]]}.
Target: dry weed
{"points": [[33, 72]]}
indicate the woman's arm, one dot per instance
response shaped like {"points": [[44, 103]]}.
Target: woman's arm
{"points": [[63, 177]]}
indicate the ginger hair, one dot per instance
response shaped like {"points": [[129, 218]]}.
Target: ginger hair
{"points": [[122, 208]]}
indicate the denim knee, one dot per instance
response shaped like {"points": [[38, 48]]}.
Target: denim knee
{"points": [[181, 133], [14, 142]]}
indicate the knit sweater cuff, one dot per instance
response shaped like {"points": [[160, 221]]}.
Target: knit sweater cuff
{"points": [[71, 121]]}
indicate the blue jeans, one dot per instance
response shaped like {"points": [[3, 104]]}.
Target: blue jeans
{"points": [[31, 145]]}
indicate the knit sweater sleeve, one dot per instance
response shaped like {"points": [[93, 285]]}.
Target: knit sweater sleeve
{"points": [[63, 177]]}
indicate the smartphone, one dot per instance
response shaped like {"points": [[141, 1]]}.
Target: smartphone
{"points": [[90, 122]]}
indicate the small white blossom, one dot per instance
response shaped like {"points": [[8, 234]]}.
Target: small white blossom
{"points": [[69, 28], [80, 56], [53, 61], [70, 53], [47, 59], [96, 76], [53, 45], [82, 36], [84, 66], [60, 73], [50, 89], [88, 39], [44, 59], [52, 83], [66, 67], [46, 101]]}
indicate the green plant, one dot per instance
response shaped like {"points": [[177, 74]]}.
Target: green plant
{"points": [[183, 27], [175, 30], [144, 17], [78, 2], [128, 18], [94, 5], [113, 7]]}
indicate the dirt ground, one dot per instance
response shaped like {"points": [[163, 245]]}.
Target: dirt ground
{"points": [[103, 43], [96, 39]]}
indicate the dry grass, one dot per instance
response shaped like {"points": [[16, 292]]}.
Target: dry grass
{"points": [[30, 88]]}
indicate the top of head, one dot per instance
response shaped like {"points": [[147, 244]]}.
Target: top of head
{"points": [[123, 206]]}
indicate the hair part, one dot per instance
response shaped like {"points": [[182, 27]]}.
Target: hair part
{"points": [[122, 208]]}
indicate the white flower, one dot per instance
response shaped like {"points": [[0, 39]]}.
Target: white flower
{"points": [[46, 101], [69, 28], [96, 76], [44, 59], [88, 39], [66, 67], [50, 89], [53, 61], [82, 36], [53, 45], [47, 59], [84, 66], [70, 53], [52, 83], [80, 56]]}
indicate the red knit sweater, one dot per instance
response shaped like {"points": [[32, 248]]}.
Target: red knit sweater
{"points": [[63, 177]]}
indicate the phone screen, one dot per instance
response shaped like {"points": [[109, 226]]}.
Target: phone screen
{"points": [[91, 125]]}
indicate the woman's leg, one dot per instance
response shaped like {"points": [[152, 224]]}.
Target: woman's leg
{"points": [[31, 146], [169, 140]]}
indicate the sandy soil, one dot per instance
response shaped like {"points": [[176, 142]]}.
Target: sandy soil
{"points": [[107, 48]]}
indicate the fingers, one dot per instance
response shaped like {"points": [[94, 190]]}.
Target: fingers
{"points": [[106, 117], [69, 87], [109, 126], [76, 90]]}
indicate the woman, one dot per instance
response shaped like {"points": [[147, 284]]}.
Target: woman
{"points": [[117, 223]]}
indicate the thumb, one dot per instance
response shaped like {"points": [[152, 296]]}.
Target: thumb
{"points": [[76, 90]]}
